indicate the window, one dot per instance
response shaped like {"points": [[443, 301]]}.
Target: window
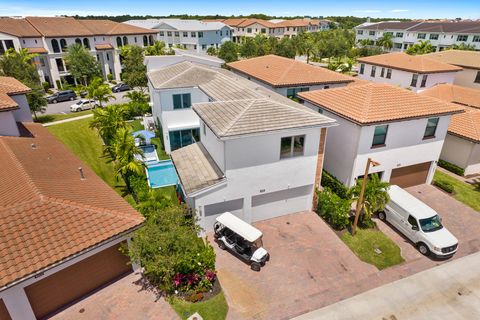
{"points": [[362, 68], [397, 45], [185, 34], [382, 73], [125, 41], [177, 34], [477, 78], [412, 221], [371, 33], [380, 136], [204, 129], [42, 62], [424, 81], [432, 124], [434, 36], [204, 47], [462, 37], [9, 44], [200, 34], [86, 43], [162, 33], [78, 41], [60, 65], [182, 101], [292, 92], [359, 32], [421, 36], [63, 44], [399, 35], [476, 39], [414, 80], [372, 72], [150, 40], [263, 30], [169, 33], [119, 42], [292, 146], [145, 41], [389, 74], [182, 138], [108, 58], [193, 34], [249, 30], [388, 33], [135, 39], [326, 87]]}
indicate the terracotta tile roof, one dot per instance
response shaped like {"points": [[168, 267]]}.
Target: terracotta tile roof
{"points": [[235, 22], [462, 58], [18, 27], [106, 46], [48, 212], [8, 87], [248, 22], [452, 93], [281, 72], [465, 125], [59, 26], [403, 61], [39, 50], [298, 23], [373, 103], [244, 117], [108, 27], [196, 168]]}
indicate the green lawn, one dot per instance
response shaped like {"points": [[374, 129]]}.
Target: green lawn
{"points": [[136, 125], [364, 243], [56, 117], [463, 192], [160, 150], [214, 309], [85, 143]]}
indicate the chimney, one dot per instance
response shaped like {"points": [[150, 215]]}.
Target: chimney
{"points": [[82, 175]]}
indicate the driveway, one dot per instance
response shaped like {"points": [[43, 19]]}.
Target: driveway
{"points": [[123, 299], [64, 107]]}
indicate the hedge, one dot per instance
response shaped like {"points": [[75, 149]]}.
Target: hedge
{"points": [[451, 167], [329, 181], [445, 186]]}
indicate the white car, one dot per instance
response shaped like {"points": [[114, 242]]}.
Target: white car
{"points": [[83, 104], [419, 223]]}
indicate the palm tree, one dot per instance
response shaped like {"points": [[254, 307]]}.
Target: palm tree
{"points": [[108, 121], [463, 46], [99, 91], [366, 42], [122, 153], [138, 97], [375, 197], [422, 47], [386, 41]]}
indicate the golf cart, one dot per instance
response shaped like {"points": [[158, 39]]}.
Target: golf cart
{"points": [[241, 239]]}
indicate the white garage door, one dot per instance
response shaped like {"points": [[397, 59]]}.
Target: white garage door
{"points": [[212, 211], [279, 203]]}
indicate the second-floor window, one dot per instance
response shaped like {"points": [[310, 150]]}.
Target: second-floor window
{"points": [[359, 32], [145, 41], [421, 36], [169, 33], [424, 81], [476, 39], [125, 41], [177, 34], [119, 42], [63, 45], [162, 33], [372, 72], [193, 34], [371, 33], [185, 34], [362, 68], [380, 136], [477, 78], [414, 80], [60, 65], [86, 43], [292, 92], [389, 73], [399, 35], [249, 30], [434, 36], [182, 101], [382, 73], [431, 128], [263, 30], [462, 37], [200, 34], [292, 146]]}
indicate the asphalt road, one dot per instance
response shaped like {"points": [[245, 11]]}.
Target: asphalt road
{"points": [[64, 107]]}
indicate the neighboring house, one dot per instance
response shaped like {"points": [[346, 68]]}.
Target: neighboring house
{"points": [[400, 129], [158, 62], [248, 27], [258, 158], [469, 61], [407, 71], [288, 76], [61, 224], [441, 34], [49, 37], [462, 144], [192, 35]]}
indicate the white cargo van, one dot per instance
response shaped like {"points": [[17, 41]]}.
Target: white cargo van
{"points": [[419, 223]]}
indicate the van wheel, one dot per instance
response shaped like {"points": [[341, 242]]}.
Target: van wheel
{"points": [[221, 245], [255, 266], [423, 248], [382, 216], [268, 257]]}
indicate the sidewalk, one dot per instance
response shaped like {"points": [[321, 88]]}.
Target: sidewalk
{"points": [[68, 120], [449, 291]]}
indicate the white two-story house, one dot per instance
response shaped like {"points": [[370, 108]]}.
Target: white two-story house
{"points": [[413, 72], [400, 129], [193, 35], [257, 158]]}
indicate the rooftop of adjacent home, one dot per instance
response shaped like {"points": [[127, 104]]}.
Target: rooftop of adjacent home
{"points": [[178, 24], [427, 26], [375, 103], [51, 210], [463, 58], [281, 72], [9, 87], [467, 124], [410, 63]]}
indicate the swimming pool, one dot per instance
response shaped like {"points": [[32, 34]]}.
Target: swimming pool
{"points": [[161, 174]]}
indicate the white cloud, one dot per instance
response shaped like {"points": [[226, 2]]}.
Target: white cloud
{"points": [[368, 11], [399, 10]]}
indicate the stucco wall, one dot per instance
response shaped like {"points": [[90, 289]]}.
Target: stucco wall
{"points": [[8, 126], [463, 153], [466, 78], [23, 114]]}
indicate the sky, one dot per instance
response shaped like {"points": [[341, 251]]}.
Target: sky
{"points": [[434, 9]]}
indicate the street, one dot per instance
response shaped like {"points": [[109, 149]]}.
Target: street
{"points": [[64, 107]]}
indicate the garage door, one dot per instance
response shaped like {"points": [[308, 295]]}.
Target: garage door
{"points": [[69, 284], [4, 315], [411, 175], [212, 211], [279, 203]]}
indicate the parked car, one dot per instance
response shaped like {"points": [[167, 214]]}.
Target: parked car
{"points": [[121, 87], [419, 223], [242, 239], [83, 104], [61, 96]]}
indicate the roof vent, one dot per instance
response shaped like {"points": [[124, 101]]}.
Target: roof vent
{"points": [[82, 175], [34, 146]]}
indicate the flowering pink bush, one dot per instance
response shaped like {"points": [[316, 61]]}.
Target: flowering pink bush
{"points": [[210, 275]]}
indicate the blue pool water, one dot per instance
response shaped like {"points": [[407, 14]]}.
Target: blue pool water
{"points": [[162, 174]]}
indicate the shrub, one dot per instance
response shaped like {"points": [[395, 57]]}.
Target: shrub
{"points": [[329, 181], [451, 167], [46, 86], [212, 51], [334, 209], [445, 186], [109, 77], [59, 84], [113, 82]]}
